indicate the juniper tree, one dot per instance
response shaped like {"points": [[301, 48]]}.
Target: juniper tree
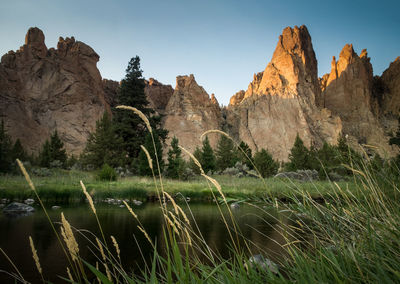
{"points": [[207, 160], [299, 157], [174, 159], [5, 150], [265, 164], [225, 153], [103, 145]]}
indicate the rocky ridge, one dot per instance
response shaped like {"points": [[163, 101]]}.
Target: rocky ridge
{"points": [[42, 90]]}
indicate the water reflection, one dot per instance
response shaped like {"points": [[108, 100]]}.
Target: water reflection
{"points": [[260, 228]]}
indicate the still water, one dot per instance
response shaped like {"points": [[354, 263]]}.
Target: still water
{"points": [[259, 227]]}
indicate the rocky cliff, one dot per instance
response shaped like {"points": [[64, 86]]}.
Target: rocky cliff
{"points": [[281, 101], [42, 90], [158, 94], [348, 93], [190, 111]]}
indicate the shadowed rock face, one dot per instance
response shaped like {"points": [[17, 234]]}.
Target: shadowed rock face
{"points": [[190, 112], [281, 101], [42, 90], [158, 95], [348, 94]]}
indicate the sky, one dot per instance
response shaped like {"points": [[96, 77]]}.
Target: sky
{"points": [[223, 43]]}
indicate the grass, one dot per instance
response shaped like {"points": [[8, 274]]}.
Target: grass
{"points": [[352, 236], [63, 186]]}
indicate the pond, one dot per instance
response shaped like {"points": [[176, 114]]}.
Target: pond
{"points": [[258, 226]]}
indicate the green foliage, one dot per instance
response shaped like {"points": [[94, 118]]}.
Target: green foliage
{"points": [[226, 156], [265, 164], [192, 165], [244, 155], [207, 160], [103, 146], [142, 162], [53, 150], [6, 157], [107, 173], [129, 127], [175, 160], [299, 157], [18, 152]]}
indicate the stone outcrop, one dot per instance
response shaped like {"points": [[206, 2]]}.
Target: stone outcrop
{"points": [[348, 94], [158, 94], [110, 88], [190, 112], [42, 90], [281, 101], [390, 88]]}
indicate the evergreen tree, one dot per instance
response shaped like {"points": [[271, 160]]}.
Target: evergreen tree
{"points": [[45, 155], [5, 150], [57, 151], [265, 164], [103, 146], [299, 157], [192, 165], [52, 150], [225, 153], [207, 157], [142, 162], [243, 152], [18, 151], [128, 125], [174, 159]]}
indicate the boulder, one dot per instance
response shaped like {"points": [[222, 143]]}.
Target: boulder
{"points": [[16, 209], [262, 263]]}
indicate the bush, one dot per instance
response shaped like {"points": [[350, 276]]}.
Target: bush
{"points": [[107, 173]]}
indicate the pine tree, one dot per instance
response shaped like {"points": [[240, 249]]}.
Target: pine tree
{"points": [[225, 153], [57, 151], [265, 164], [192, 165], [142, 162], [174, 159], [299, 156], [5, 150], [103, 145], [18, 151], [244, 155], [128, 125], [207, 157], [45, 155]]}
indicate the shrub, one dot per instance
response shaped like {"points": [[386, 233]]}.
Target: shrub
{"points": [[107, 173]]}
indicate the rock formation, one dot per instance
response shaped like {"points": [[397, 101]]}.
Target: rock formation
{"points": [[190, 112], [42, 90], [348, 93], [158, 95], [281, 101]]}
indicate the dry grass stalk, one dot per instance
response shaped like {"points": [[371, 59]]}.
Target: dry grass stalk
{"points": [[176, 222], [189, 239], [146, 235], [69, 238], [193, 158], [114, 241], [70, 275], [97, 268], [25, 173], [108, 272], [139, 113], [215, 131], [171, 224], [89, 198], [217, 186], [184, 215], [149, 159], [35, 256], [101, 249], [130, 210], [173, 202]]}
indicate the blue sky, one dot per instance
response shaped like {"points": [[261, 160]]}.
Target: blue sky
{"points": [[223, 43]]}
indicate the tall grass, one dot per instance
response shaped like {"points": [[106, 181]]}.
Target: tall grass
{"points": [[347, 236]]}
